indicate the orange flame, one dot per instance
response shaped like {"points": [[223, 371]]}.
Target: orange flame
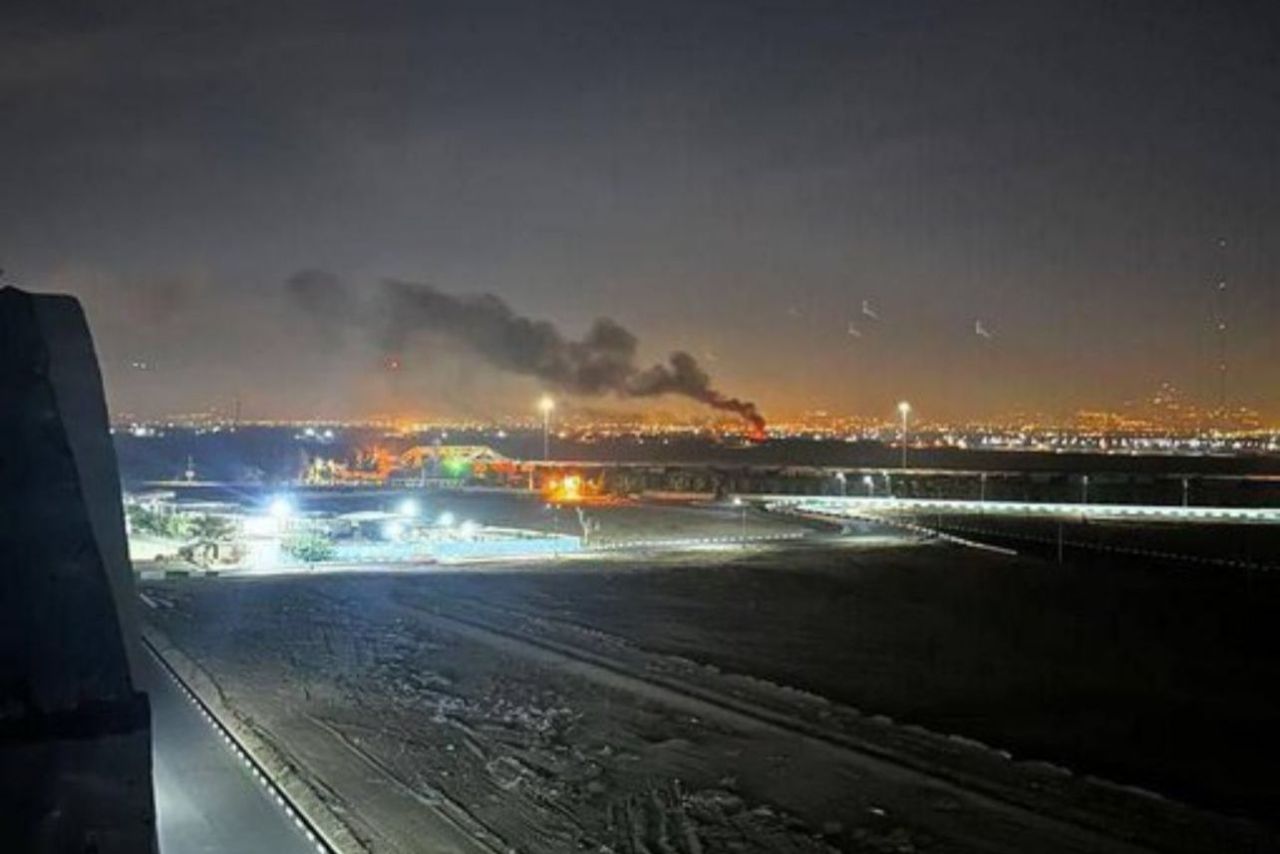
{"points": [[565, 490]]}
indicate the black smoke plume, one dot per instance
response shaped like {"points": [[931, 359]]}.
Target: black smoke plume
{"points": [[602, 362]]}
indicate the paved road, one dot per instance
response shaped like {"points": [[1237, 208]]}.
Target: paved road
{"points": [[206, 799], [862, 506]]}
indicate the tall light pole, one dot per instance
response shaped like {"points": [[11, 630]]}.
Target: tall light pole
{"points": [[904, 409], [545, 406]]}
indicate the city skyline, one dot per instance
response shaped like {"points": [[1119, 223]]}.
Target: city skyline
{"points": [[1163, 413]]}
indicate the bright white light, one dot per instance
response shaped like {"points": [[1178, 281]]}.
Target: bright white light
{"points": [[409, 507], [868, 480], [546, 404], [310, 431], [328, 434], [280, 507], [468, 528], [445, 520], [904, 408], [737, 502], [260, 526], [392, 530]]}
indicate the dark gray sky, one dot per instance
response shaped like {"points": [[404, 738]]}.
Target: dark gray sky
{"points": [[732, 178]]}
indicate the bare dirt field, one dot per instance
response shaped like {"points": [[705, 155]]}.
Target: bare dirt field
{"points": [[708, 701]]}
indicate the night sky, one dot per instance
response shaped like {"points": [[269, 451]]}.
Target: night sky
{"points": [[736, 179]]}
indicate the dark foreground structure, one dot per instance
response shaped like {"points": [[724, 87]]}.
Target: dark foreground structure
{"points": [[75, 741]]}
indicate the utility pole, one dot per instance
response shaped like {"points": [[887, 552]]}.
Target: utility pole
{"points": [[1221, 330], [904, 409], [546, 405], [1220, 321]]}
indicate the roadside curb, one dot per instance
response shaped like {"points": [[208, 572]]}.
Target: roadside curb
{"points": [[313, 817]]}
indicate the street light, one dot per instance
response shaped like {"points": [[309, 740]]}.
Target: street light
{"points": [[279, 511], [840, 477], [904, 409], [545, 406], [739, 503], [281, 507], [870, 483]]}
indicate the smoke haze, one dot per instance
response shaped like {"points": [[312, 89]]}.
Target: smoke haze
{"points": [[602, 362]]}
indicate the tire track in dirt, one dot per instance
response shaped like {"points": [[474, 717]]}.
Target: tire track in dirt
{"points": [[457, 817], [751, 718], [1114, 811]]}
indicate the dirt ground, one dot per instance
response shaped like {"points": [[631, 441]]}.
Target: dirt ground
{"points": [[707, 701], [1156, 677]]}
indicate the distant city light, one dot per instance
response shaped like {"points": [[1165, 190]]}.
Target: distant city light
{"points": [[409, 507], [445, 520]]}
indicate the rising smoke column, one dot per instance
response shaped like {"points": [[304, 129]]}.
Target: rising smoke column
{"points": [[602, 362], [684, 376]]}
